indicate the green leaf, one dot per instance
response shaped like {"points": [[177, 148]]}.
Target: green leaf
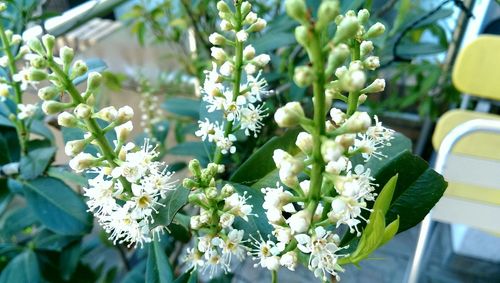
{"points": [[57, 207], [173, 202], [183, 107], [23, 268], [267, 42], [196, 149], [15, 220], [160, 131], [70, 257], [38, 127], [190, 276], [136, 275], [410, 50], [63, 173], [158, 268], [260, 163], [36, 161], [384, 198], [256, 224], [390, 231], [47, 240]]}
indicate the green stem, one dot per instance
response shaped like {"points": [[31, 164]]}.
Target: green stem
{"points": [[352, 99], [238, 66], [318, 166], [274, 276], [22, 132]]}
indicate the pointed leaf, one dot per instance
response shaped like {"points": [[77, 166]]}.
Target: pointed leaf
{"points": [[23, 268], [390, 231], [158, 268], [173, 202], [36, 161]]}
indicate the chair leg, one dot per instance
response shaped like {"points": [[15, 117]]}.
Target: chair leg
{"points": [[412, 275]]}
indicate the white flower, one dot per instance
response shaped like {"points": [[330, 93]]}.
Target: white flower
{"points": [[242, 36], [226, 69], [275, 200], [4, 61], [335, 167], [26, 111], [266, 253], [371, 142], [237, 205], [23, 78], [338, 117], [233, 246], [322, 247], [4, 91], [226, 144], [289, 260], [212, 85], [300, 221], [209, 130], [251, 119]]}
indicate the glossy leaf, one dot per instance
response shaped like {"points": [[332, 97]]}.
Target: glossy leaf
{"points": [[173, 202], [57, 207], [23, 268], [183, 107], [46, 240], [15, 220], [190, 276], [63, 173], [158, 269], [36, 161]]}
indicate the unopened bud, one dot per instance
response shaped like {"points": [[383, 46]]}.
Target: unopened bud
{"points": [[93, 81], [195, 167], [83, 111], [374, 31], [366, 48], [195, 222], [38, 62], [353, 80], [125, 114], [242, 36], [82, 161], [378, 85], [363, 16], [189, 184], [347, 29], [372, 63], [300, 221], [217, 39], [227, 190], [249, 52], [245, 7], [305, 142], [16, 39], [327, 12], [49, 42], [67, 54], [259, 25], [218, 54], [337, 57], [79, 69], [67, 120], [289, 115], [75, 147], [223, 7], [226, 25], [358, 122], [48, 93], [107, 114], [296, 9], [331, 150], [251, 18], [262, 60], [303, 76], [36, 75], [36, 46], [211, 193], [123, 131], [3, 6], [302, 35], [53, 107]]}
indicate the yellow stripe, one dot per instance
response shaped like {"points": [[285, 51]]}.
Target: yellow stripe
{"points": [[473, 192]]}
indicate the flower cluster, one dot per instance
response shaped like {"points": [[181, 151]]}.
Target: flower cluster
{"points": [[225, 89], [128, 184], [324, 187], [218, 241], [151, 112]]}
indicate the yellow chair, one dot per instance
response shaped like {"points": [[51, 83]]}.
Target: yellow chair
{"points": [[468, 150]]}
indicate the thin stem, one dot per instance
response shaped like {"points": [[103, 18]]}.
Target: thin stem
{"points": [[238, 66], [22, 132], [274, 276], [352, 99]]}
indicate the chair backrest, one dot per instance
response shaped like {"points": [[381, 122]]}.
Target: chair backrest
{"points": [[477, 68]]}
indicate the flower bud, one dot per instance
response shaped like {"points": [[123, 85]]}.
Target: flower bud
{"points": [[262, 60], [327, 12], [93, 81], [302, 35], [303, 76], [226, 25], [16, 39], [374, 31], [53, 107], [48, 93], [227, 69], [331, 150], [362, 98], [211, 193], [189, 184], [366, 48], [353, 80], [347, 29], [36, 46], [82, 161], [245, 7], [337, 57], [23, 50], [194, 167], [223, 7], [378, 85], [49, 42], [227, 190], [226, 220], [249, 52], [83, 111], [289, 260], [67, 54], [300, 221], [79, 69], [212, 168], [67, 120], [75, 147], [38, 62], [4, 91], [36, 75], [218, 53], [359, 122], [296, 9], [372, 63], [341, 71], [289, 115], [305, 142], [363, 16], [125, 114], [242, 36], [123, 131], [108, 114], [259, 25], [338, 117], [217, 39], [195, 222], [250, 69]]}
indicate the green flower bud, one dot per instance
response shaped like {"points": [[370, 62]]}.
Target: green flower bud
{"points": [[37, 75], [36, 46], [303, 76], [211, 193], [259, 25], [374, 31], [347, 29], [372, 63], [93, 81], [67, 120], [107, 114], [377, 86], [38, 62], [337, 57], [83, 111], [189, 184], [125, 114], [53, 107], [79, 69], [217, 39], [363, 16], [223, 7], [67, 54], [227, 190], [195, 168], [49, 42], [302, 35], [366, 48], [213, 168], [245, 8], [327, 12], [123, 131], [48, 93], [74, 147], [289, 115], [353, 80], [296, 9]]}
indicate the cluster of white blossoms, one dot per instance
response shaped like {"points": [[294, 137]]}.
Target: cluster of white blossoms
{"points": [[234, 86], [325, 187], [128, 184], [217, 241]]}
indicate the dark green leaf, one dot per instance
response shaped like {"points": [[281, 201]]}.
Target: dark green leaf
{"points": [[136, 275], [63, 173], [36, 161], [260, 163], [57, 207], [183, 107], [38, 127], [158, 269], [196, 149], [410, 50], [69, 259], [15, 220], [46, 240], [160, 131], [190, 276], [173, 202], [23, 268]]}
